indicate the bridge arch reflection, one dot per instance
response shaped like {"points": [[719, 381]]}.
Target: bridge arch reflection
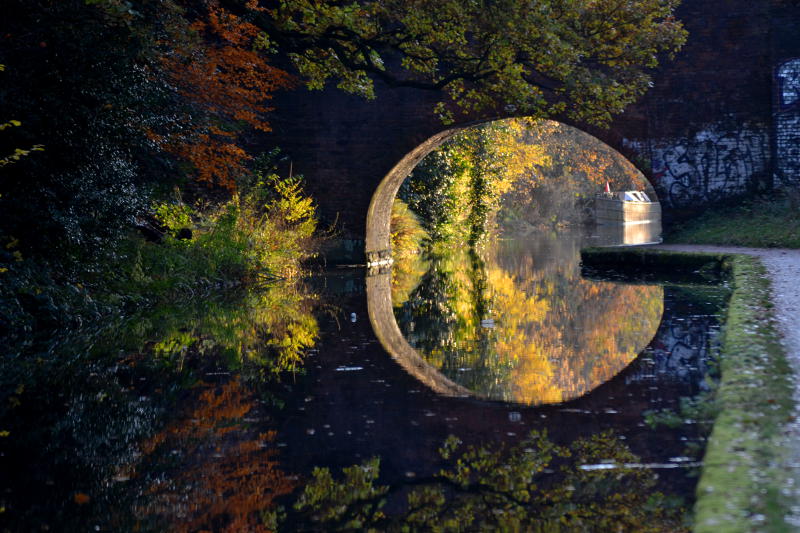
{"points": [[558, 366]]}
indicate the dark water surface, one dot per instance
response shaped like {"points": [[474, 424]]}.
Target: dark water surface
{"points": [[501, 390]]}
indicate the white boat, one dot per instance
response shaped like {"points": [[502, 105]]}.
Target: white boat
{"points": [[626, 207]]}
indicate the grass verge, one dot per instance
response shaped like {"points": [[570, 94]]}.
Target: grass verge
{"points": [[761, 223], [740, 489]]}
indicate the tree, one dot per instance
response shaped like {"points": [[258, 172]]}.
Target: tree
{"points": [[456, 189], [586, 58], [223, 81], [560, 187]]}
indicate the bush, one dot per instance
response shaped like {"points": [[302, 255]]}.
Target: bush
{"points": [[768, 222], [264, 234], [407, 234]]}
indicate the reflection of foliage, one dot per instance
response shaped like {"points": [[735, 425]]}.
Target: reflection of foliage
{"points": [[442, 320], [407, 273], [225, 476], [533, 331], [354, 503], [492, 487], [266, 330], [79, 419], [701, 411], [456, 189]]}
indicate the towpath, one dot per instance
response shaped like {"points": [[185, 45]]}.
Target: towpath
{"points": [[783, 267]]}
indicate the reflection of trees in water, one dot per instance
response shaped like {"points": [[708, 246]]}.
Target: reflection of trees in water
{"points": [[266, 331], [207, 471], [81, 421], [532, 486], [547, 335], [442, 320]]}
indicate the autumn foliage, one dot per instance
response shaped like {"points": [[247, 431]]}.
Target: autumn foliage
{"points": [[221, 72]]}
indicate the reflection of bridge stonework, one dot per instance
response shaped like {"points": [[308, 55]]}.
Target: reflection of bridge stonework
{"points": [[682, 348], [571, 385], [723, 119], [381, 316]]}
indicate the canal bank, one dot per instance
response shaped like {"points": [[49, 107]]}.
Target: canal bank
{"points": [[748, 478]]}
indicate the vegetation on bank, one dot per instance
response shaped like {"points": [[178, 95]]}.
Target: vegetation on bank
{"points": [[762, 222], [407, 234], [745, 468], [260, 235], [140, 133], [456, 190], [746, 465]]}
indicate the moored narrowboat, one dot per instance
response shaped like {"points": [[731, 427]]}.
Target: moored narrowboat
{"points": [[626, 207]]}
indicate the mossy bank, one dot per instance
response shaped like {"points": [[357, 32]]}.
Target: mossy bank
{"points": [[742, 484]]}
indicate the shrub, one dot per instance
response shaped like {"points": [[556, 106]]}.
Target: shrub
{"points": [[407, 232]]}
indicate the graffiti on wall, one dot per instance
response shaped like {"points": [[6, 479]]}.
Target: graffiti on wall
{"points": [[788, 75], [787, 124], [715, 163]]}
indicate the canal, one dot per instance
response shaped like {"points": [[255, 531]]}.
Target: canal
{"points": [[479, 390]]}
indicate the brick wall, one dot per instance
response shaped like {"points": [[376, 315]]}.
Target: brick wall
{"points": [[722, 120], [785, 25]]}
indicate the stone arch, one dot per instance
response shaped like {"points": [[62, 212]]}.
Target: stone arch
{"points": [[376, 240], [384, 325], [377, 236]]}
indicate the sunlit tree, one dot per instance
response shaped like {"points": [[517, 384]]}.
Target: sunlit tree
{"points": [[588, 59], [216, 63]]}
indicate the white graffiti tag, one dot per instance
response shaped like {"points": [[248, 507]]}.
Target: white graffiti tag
{"points": [[789, 78]]}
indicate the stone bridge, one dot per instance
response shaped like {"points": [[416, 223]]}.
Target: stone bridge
{"points": [[721, 121]]}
